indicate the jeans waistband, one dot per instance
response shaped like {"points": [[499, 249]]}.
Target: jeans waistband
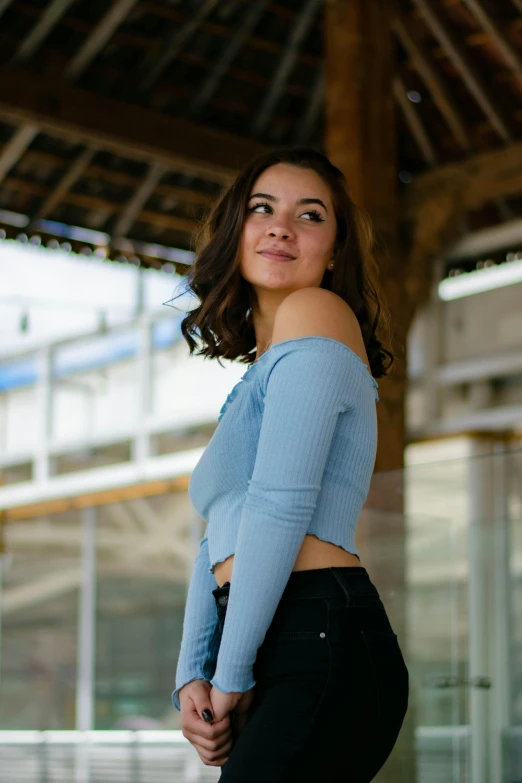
{"points": [[335, 581]]}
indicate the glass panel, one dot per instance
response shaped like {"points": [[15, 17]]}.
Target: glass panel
{"points": [[442, 541], [143, 551], [415, 522], [512, 735], [39, 624]]}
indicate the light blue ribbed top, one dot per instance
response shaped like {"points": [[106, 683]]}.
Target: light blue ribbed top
{"points": [[293, 453]]}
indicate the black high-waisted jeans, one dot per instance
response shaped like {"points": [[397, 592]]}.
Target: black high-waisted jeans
{"points": [[331, 687]]}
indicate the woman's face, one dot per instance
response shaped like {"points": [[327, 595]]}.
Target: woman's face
{"points": [[289, 233]]}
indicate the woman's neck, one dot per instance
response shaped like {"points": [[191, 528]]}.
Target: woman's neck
{"points": [[258, 356]]}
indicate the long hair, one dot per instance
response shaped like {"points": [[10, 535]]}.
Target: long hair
{"points": [[223, 319]]}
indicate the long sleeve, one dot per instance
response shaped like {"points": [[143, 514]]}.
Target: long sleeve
{"points": [[200, 639], [306, 391]]}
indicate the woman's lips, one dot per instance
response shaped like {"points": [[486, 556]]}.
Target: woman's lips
{"points": [[275, 256]]}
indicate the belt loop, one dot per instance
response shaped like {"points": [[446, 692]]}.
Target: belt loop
{"points": [[345, 590]]}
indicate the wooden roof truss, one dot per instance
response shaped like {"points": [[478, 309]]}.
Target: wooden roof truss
{"points": [[141, 160]]}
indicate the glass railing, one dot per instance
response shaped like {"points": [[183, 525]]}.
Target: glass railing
{"points": [[441, 539]]}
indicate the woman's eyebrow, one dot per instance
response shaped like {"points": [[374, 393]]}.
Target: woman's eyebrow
{"points": [[301, 200]]}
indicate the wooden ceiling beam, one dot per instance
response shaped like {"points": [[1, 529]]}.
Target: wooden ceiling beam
{"points": [[48, 20], [137, 202], [68, 111], [472, 182], [509, 53], [424, 67], [4, 5], [148, 42], [248, 77], [315, 103], [69, 179], [291, 50], [39, 157], [86, 202], [230, 51], [467, 71], [239, 74], [15, 148], [414, 122], [101, 33], [157, 62]]}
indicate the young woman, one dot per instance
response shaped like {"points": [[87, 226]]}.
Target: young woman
{"points": [[289, 669]]}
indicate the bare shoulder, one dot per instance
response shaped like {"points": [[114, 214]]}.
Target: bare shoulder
{"points": [[318, 312]]}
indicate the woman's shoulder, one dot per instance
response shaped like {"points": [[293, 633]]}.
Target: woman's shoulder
{"points": [[317, 312]]}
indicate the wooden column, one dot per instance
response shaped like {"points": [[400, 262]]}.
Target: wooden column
{"points": [[361, 141]]}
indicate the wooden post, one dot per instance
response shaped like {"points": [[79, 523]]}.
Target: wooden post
{"points": [[361, 141]]}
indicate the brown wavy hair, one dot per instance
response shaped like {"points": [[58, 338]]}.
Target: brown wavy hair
{"points": [[223, 319]]}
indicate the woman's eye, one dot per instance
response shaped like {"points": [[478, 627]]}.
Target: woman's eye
{"points": [[256, 207], [314, 215]]}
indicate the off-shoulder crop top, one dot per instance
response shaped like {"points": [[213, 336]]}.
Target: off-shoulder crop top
{"points": [[293, 453]]}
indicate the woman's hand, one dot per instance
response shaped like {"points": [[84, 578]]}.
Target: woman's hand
{"points": [[237, 704], [223, 703], [213, 741], [241, 712]]}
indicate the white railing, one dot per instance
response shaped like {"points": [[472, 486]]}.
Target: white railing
{"points": [[101, 757], [442, 754], [144, 387]]}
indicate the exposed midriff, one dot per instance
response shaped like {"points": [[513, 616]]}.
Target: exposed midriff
{"points": [[314, 553]]}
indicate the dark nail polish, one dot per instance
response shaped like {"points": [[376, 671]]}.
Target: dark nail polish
{"points": [[207, 716]]}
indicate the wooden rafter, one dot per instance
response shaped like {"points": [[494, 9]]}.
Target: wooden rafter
{"points": [[46, 23], [138, 200], [157, 63], [86, 202], [4, 5], [471, 182], [464, 66], [67, 111], [15, 148], [509, 53], [314, 106], [230, 51], [99, 37], [441, 95], [120, 178], [414, 122], [71, 176], [288, 60], [180, 91], [147, 42]]}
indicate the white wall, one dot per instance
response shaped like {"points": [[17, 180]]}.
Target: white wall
{"points": [[65, 293]]}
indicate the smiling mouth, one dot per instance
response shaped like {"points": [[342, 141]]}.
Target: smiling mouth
{"points": [[276, 256]]}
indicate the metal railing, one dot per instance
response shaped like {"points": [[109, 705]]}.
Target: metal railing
{"points": [[101, 757]]}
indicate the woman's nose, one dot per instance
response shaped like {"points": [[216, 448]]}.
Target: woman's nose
{"points": [[281, 230]]}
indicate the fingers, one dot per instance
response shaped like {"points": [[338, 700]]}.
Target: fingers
{"points": [[216, 757], [213, 741], [210, 731]]}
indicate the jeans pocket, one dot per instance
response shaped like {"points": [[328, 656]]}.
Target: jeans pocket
{"points": [[294, 655], [390, 677]]}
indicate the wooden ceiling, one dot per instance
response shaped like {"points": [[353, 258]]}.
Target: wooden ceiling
{"points": [[128, 117]]}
